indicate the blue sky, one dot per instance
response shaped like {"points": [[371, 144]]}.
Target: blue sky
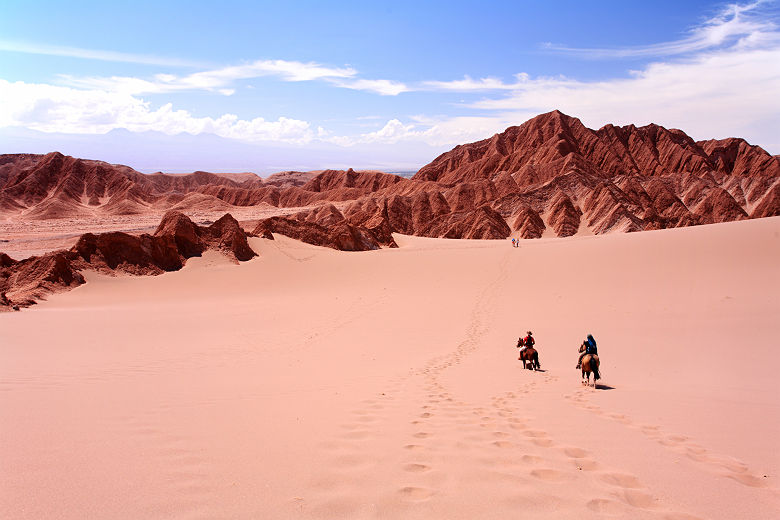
{"points": [[304, 85]]}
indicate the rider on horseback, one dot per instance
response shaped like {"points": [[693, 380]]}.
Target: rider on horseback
{"points": [[527, 342], [590, 348], [524, 343]]}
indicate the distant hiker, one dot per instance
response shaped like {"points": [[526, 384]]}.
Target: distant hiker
{"points": [[513, 242], [588, 347]]}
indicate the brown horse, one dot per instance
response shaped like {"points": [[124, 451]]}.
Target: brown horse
{"points": [[532, 357], [590, 364]]}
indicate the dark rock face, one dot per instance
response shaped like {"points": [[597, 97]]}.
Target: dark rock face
{"points": [[176, 239], [184, 232], [341, 235], [528, 223], [140, 255], [23, 282], [226, 235]]}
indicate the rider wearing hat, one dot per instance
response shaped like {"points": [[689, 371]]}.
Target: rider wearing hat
{"points": [[524, 343]]}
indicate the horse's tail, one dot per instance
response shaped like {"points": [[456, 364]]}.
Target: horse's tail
{"points": [[536, 359], [596, 374]]}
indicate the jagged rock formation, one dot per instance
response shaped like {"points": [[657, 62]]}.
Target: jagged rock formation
{"points": [[176, 239], [341, 235], [550, 176]]}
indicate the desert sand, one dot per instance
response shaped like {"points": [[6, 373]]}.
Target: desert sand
{"points": [[313, 383]]}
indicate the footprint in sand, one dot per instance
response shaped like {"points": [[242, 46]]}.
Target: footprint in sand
{"points": [[621, 480], [548, 475], [605, 506], [415, 494], [531, 459], [416, 467], [586, 464], [748, 480], [502, 444], [638, 499], [575, 453]]}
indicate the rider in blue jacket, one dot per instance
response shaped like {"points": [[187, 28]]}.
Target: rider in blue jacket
{"points": [[590, 348]]}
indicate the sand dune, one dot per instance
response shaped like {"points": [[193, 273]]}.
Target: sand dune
{"points": [[312, 383]]}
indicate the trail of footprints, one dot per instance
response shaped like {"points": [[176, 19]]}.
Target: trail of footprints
{"points": [[510, 456], [727, 466], [503, 443]]}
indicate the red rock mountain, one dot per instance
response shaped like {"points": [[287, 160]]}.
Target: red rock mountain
{"points": [[550, 176]]}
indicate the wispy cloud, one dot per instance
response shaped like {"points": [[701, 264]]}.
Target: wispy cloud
{"points": [[384, 87], [93, 54], [217, 80], [221, 79], [467, 84], [744, 25]]}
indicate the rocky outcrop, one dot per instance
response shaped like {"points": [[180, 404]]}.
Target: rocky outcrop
{"points": [[564, 217], [481, 223], [138, 255], [28, 280], [341, 236], [527, 223], [769, 206], [176, 239]]}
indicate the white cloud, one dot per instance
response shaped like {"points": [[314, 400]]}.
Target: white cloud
{"points": [[51, 108], [384, 87], [468, 84], [218, 80], [743, 25], [435, 132], [211, 80]]}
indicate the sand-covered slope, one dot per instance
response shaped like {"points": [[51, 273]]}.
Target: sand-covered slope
{"points": [[311, 383]]}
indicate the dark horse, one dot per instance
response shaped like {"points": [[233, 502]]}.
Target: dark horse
{"points": [[590, 364], [529, 355]]}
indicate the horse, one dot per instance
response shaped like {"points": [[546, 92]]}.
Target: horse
{"points": [[532, 357], [590, 363]]}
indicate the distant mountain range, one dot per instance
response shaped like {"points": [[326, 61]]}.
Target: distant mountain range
{"points": [[549, 176]]}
